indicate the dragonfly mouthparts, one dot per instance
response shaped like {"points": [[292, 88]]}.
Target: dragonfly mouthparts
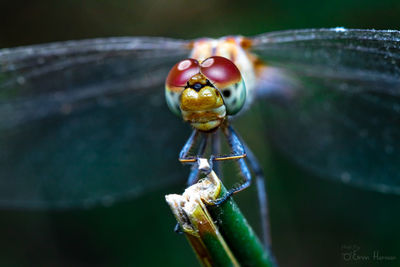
{"points": [[205, 120]]}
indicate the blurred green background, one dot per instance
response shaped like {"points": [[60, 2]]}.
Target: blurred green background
{"points": [[314, 221], [28, 22]]}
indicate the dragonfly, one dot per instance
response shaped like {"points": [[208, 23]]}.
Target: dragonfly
{"points": [[85, 122]]}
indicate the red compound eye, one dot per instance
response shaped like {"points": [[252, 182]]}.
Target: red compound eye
{"points": [[221, 71], [180, 74]]}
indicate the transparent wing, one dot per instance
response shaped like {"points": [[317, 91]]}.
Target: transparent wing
{"points": [[339, 111], [84, 122]]}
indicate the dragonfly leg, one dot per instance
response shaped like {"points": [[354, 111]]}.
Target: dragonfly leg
{"points": [[194, 173], [178, 229], [183, 155], [234, 143], [216, 150], [239, 154], [262, 196]]}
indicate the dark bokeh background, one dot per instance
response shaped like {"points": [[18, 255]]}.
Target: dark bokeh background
{"points": [[315, 222], [28, 22]]}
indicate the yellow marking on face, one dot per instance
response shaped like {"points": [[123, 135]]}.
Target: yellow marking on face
{"points": [[205, 116], [207, 98], [203, 108]]}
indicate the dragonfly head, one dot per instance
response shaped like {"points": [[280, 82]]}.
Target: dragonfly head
{"points": [[205, 93]]}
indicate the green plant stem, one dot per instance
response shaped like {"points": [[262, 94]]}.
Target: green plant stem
{"points": [[231, 235], [200, 231], [238, 234]]}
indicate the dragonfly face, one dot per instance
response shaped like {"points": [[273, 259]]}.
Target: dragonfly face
{"points": [[205, 99]]}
